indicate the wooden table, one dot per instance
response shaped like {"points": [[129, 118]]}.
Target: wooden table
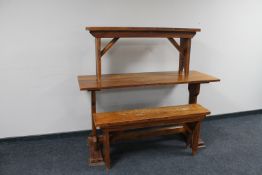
{"points": [[100, 82]]}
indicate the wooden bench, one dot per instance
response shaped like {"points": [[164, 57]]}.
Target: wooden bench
{"points": [[131, 120]]}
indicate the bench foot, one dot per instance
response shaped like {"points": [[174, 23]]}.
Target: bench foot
{"points": [[95, 153], [188, 137], [201, 143]]}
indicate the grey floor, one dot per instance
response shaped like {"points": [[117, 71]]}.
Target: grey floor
{"points": [[234, 146]]}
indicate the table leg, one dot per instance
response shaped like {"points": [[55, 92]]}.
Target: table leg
{"points": [[95, 154], [194, 90]]}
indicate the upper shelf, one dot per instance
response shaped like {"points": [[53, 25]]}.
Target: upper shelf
{"points": [[130, 32], [110, 81]]}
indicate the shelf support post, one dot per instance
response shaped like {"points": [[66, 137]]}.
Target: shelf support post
{"points": [[98, 58], [184, 59]]}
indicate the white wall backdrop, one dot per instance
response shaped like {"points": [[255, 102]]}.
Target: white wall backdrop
{"points": [[43, 47]]}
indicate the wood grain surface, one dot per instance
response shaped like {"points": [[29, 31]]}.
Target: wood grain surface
{"points": [[110, 81], [143, 116]]}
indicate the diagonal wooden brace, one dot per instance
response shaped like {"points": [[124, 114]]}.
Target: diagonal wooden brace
{"points": [[176, 45], [108, 46]]}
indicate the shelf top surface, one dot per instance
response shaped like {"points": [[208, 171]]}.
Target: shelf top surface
{"points": [[141, 29], [111, 81]]}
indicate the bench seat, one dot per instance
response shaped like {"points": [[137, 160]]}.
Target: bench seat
{"points": [[148, 116], [190, 114]]}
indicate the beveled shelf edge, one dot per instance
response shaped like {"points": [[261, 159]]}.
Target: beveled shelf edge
{"points": [[116, 83], [139, 29], [142, 32]]}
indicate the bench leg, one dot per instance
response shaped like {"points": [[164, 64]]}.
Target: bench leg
{"points": [[188, 135], [107, 149], [195, 137]]}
